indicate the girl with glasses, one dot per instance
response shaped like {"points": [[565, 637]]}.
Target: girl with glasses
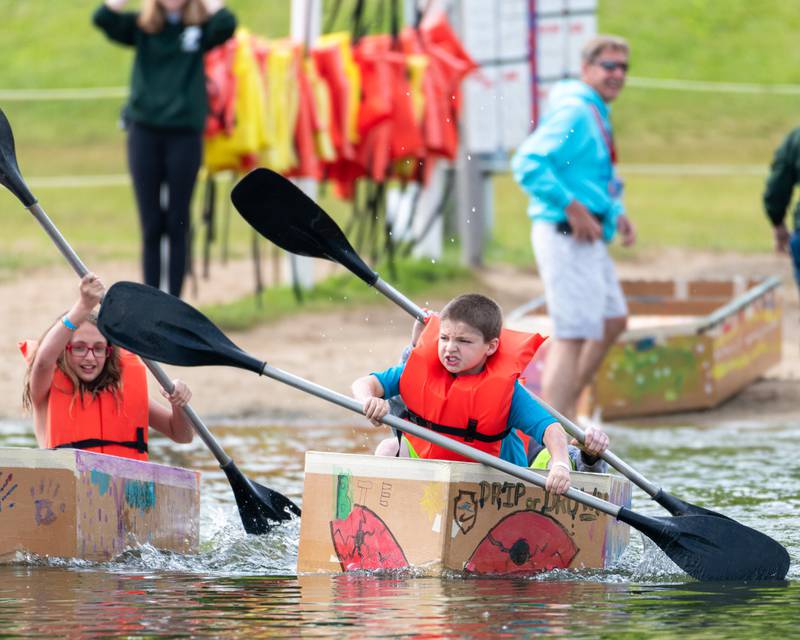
{"points": [[88, 394]]}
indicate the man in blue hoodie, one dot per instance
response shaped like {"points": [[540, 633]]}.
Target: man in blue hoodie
{"points": [[567, 168]]}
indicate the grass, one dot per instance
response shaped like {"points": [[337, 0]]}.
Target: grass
{"points": [[45, 46], [728, 40], [717, 213]]}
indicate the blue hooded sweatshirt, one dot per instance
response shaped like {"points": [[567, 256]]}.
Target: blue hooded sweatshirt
{"points": [[568, 157]]}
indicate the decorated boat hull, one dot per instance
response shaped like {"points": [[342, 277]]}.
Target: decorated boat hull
{"points": [[689, 345], [78, 504], [367, 513]]}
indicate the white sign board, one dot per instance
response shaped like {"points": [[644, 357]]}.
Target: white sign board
{"points": [[517, 43]]}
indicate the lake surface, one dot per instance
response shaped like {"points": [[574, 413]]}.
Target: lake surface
{"points": [[247, 586]]}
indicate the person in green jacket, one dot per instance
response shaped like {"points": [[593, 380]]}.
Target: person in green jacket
{"points": [[783, 176], [165, 115]]}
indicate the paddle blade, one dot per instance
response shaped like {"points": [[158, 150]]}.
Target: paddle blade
{"points": [[280, 211], [259, 507], [678, 507], [713, 548], [9, 171], [161, 327]]}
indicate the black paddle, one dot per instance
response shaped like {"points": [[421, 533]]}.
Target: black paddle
{"points": [[706, 547], [259, 506], [281, 212]]}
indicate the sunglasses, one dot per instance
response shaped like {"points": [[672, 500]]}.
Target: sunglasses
{"points": [[79, 350], [610, 65]]}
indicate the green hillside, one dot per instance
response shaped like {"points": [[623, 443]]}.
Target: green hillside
{"points": [[53, 45]]}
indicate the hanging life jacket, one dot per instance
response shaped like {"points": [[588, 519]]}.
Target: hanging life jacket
{"points": [[240, 148], [472, 409], [103, 423], [221, 89]]}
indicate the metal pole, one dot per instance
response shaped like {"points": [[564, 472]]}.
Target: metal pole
{"points": [[306, 18]]}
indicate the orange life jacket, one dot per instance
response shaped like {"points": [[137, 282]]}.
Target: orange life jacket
{"points": [[472, 409], [102, 423], [116, 426]]}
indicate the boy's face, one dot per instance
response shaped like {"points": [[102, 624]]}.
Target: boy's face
{"points": [[462, 349]]}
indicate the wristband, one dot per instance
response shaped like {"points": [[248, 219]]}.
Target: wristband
{"points": [[68, 324], [558, 463]]}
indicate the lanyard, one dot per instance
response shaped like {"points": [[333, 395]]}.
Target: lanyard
{"points": [[609, 139]]}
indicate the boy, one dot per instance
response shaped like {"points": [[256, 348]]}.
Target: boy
{"points": [[461, 380]]}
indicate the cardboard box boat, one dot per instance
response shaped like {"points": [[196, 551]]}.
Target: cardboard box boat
{"points": [[77, 504], [689, 345], [362, 512]]}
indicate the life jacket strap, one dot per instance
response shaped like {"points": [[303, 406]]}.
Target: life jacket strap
{"points": [[92, 443], [468, 433]]}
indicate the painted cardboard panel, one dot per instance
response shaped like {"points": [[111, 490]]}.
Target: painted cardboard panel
{"points": [[35, 512], [499, 525], [689, 346], [70, 503], [651, 375], [368, 513], [351, 506], [746, 344]]}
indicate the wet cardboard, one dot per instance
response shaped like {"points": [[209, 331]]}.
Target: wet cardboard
{"points": [[77, 504], [362, 512], [689, 345]]}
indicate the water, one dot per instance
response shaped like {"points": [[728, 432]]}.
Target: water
{"points": [[244, 586]]}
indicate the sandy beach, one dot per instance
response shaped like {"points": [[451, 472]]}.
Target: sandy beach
{"points": [[334, 348]]}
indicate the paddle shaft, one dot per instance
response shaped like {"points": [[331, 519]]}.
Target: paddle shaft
{"points": [[160, 375], [571, 428], [443, 441]]}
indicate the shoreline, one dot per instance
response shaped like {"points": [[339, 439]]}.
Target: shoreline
{"points": [[334, 348]]}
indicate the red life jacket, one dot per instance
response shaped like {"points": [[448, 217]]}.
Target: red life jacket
{"points": [[308, 163], [103, 424], [221, 89], [472, 409]]}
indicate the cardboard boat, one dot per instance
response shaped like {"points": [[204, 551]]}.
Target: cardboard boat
{"points": [[689, 345], [362, 512], [78, 504]]}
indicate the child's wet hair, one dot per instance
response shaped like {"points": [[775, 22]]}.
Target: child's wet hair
{"points": [[478, 311]]}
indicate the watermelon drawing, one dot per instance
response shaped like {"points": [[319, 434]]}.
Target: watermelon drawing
{"points": [[523, 542], [362, 540]]}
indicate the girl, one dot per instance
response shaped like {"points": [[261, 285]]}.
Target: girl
{"points": [[165, 115], [88, 394]]}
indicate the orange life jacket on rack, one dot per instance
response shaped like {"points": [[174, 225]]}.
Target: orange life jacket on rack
{"points": [[103, 424], [472, 409]]}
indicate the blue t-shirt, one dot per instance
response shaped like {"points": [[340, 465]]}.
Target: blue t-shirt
{"points": [[525, 414]]}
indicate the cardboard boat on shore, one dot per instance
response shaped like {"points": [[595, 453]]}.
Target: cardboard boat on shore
{"points": [[362, 512], [77, 504], [689, 345]]}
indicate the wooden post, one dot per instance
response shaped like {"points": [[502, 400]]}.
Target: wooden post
{"points": [[473, 206]]}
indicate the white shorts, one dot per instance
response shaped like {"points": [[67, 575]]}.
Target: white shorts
{"points": [[580, 283]]}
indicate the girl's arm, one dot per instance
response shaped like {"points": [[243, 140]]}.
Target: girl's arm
{"points": [[55, 340], [556, 442], [173, 422]]}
